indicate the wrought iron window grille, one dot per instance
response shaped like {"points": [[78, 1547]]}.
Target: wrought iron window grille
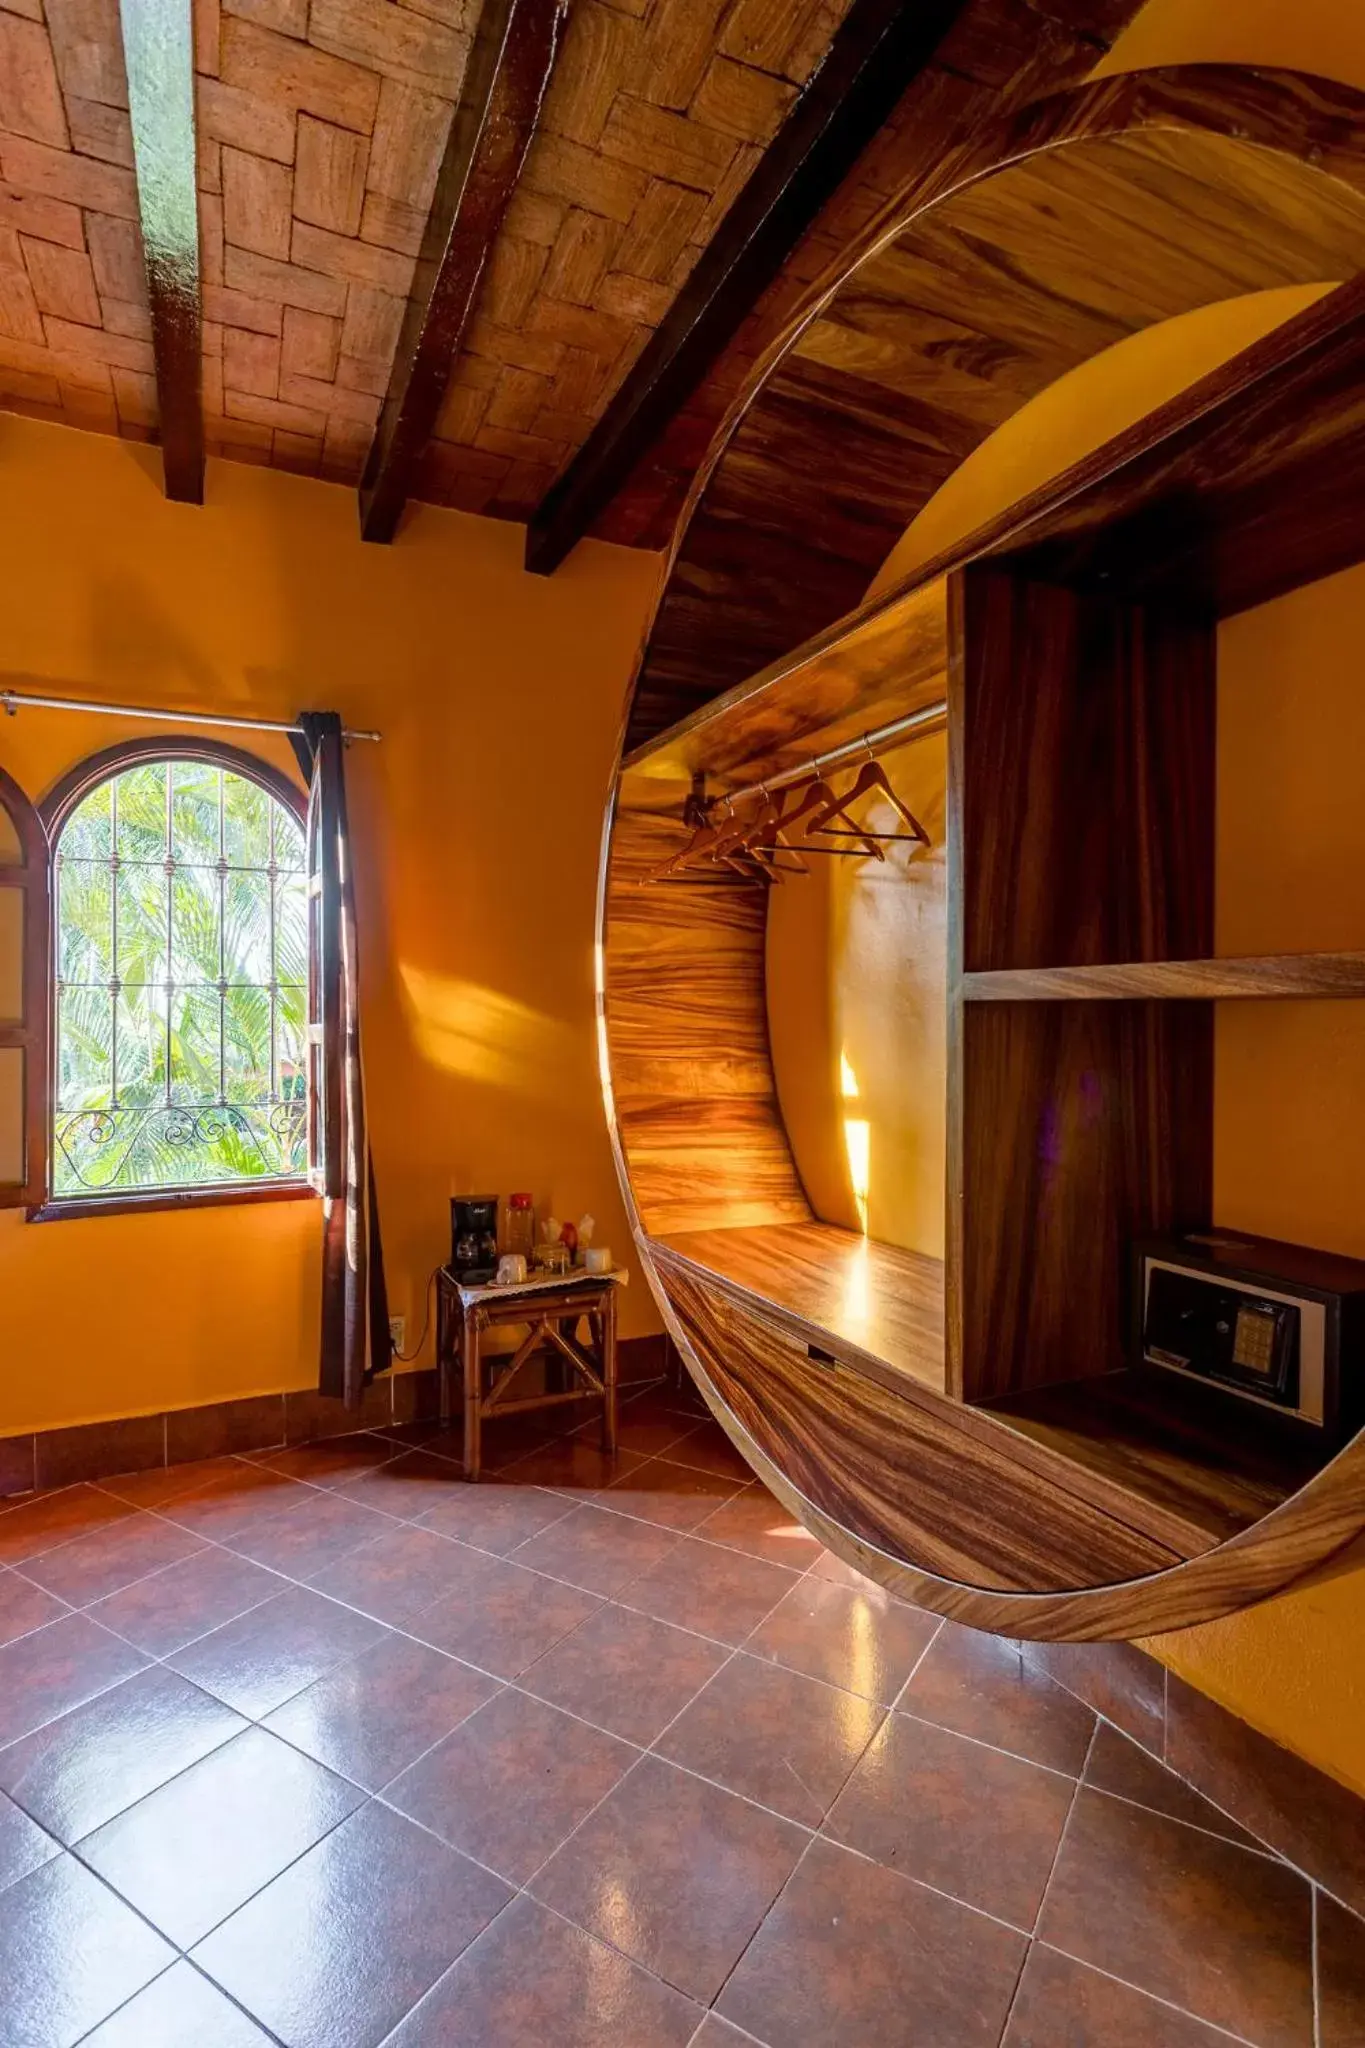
{"points": [[197, 1077]]}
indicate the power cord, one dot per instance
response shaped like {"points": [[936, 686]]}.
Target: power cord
{"points": [[398, 1357]]}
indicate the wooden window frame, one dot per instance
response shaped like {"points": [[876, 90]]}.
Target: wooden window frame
{"points": [[34, 1041], [54, 811]]}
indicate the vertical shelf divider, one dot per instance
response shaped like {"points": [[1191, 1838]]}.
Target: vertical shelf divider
{"points": [[1081, 788]]}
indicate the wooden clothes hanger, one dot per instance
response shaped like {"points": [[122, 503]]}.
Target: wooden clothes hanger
{"points": [[870, 777], [704, 845], [819, 805], [753, 845], [766, 840]]}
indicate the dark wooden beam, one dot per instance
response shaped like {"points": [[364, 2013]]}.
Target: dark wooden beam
{"points": [[878, 50], [158, 53], [500, 100]]}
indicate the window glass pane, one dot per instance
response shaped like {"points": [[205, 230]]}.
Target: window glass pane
{"points": [[85, 911], [291, 929], [195, 896], [291, 1042], [246, 928], [246, 1044], [194, 1044], [140, 1022], [11, 1115], [141, 802], [11, 955], [141, 895], [194, 812], [165, 1079], [85, 1039], [289, 850], [88, 832], [246, 822]]}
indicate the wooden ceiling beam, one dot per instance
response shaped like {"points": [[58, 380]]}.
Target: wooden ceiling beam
{"points": [[879, 49], [500, 101], [158, 54]]}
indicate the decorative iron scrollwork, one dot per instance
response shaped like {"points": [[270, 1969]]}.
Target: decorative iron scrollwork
{"points": [[105, 1151]]}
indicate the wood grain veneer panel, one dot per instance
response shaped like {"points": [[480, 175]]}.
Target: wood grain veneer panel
{"points": [[1255, 494], [872, 1304], [1273, 975], [1085, 728], [1083, 1126], [1080, 832], [1177, 1449], [686, 1030], [1024, 253], [837, 688], [900, 1474], [1296, 1538]]}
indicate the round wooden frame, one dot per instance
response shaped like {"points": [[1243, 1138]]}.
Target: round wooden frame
{"points": [[660, 1030]]}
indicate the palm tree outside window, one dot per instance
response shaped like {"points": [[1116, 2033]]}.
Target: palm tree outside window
{"points": [[180, 981]]}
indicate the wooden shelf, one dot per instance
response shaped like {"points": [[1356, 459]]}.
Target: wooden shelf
{"points": [[867, 1304], [843, 683], [1274, 975], [1193, 1468]]}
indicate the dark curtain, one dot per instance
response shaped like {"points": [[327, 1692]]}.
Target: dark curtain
{"points": [[355, 1312]]}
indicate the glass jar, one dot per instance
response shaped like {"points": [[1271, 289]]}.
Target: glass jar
{"points": [[519, 1228]]}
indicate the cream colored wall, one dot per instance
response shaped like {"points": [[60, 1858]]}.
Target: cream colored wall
{"points": [[477, 823]]}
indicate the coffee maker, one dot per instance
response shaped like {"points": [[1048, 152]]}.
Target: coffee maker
{"points": [[474, 1238]]}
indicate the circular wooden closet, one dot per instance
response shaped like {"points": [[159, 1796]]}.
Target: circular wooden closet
{"points": [[965, 1430]]}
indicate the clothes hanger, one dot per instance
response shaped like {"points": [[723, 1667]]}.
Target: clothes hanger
{"points": [[822, 805], [816, 794], [871, 777], [766, 839], [707, 832], [725, 846]]}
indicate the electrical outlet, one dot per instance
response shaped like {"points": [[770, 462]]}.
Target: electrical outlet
{"points": [[398, 1331]]}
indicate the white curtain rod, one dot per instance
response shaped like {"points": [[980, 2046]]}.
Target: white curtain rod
{"points": [[16, 700]]}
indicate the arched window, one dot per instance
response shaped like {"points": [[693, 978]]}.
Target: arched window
{"points": [[180, 975]]}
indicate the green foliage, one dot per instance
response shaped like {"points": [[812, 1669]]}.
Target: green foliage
{"points": [[166, 1018]]}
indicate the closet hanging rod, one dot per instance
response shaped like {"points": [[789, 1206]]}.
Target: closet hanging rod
{"points": [[16, 700], [867, 743]]}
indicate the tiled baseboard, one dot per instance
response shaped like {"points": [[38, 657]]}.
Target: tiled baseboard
{"points": [[1300, 1813], [140, 1443]]}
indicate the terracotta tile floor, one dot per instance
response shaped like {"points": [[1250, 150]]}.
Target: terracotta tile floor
{"points": [[326, 1748]]}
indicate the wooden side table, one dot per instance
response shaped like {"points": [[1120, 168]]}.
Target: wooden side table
{"points": [[555, 1309]]}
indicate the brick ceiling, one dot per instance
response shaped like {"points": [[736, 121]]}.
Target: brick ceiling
{"points": [[321, 124]]}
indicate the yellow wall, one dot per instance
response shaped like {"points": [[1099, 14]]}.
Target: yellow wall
{"points": [[857, 1000], [1325, 36], [1289, 1111], [476, 821]]}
